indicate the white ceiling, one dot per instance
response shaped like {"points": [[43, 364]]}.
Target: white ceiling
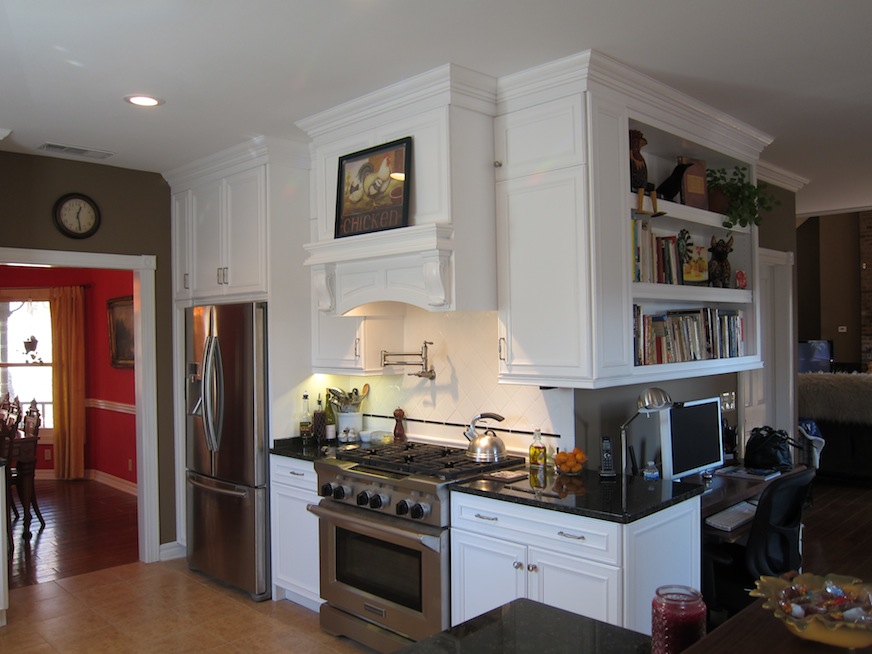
{"points": [[231, 70]]}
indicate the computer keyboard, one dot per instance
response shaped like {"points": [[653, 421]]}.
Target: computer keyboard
{"points": [[732, 517]]}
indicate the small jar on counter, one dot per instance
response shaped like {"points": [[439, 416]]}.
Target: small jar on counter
{"points": [[678, 619]]}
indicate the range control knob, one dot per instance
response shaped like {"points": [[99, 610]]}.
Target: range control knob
{"points": [[420, 510], [326, 490], [403, 507], [378, 501], [363, 498], [341, 492]]}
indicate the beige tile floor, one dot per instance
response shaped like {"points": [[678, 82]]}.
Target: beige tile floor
{"points": [[157, 607]]}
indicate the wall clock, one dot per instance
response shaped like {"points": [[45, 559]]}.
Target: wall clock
{"points": [[76, 215]]}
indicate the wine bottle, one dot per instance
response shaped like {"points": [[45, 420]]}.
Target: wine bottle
{"points": [[330, 422], [306, 420], [319, 423]]}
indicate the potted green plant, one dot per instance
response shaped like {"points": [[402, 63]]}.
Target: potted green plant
{"points": [[736, 197]]}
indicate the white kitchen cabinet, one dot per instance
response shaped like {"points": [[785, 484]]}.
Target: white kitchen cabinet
{"points": [[229, 235], [566, 279], [295, 549], [605, 570], [181, 221], [501, 551], [352, 345]]}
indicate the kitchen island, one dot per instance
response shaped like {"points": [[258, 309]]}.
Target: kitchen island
{"points": [[600, 549], [527, 626]]}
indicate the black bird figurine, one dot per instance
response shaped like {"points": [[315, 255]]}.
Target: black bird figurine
{"points": [[670, 186]]}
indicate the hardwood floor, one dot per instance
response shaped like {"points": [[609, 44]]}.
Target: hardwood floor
{"points": [[89, 526]]}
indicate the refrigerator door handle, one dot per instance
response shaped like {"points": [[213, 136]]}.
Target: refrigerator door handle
{"points": [[207, 398], [218, 387], [213, 489]]}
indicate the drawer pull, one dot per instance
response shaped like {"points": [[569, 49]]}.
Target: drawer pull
{"points": [[296, 474], [486, 517], [572, 536]]}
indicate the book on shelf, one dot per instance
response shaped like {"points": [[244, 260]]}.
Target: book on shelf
{"points": [[694, 187], [742, 472], [679, 336]]}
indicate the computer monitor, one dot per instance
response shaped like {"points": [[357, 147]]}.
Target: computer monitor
{"points": [[815, 356], [694, 441]]}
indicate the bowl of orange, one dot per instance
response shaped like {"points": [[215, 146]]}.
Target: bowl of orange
{"points": [[570, 462]]}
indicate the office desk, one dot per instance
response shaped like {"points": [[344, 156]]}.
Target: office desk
{"points": [[723, 491]]}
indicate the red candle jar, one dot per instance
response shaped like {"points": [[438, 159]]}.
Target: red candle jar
{"points": [[678, 619]]}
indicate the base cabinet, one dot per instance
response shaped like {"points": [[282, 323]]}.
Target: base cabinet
{"points": [[501, 551], [295, 560]]}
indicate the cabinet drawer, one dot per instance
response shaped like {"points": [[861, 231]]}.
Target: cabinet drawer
{"points": [[596, 540], [296, 473], [543, 137]]}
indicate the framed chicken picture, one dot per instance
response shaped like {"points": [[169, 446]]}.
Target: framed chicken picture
{"points": [[373, 189]]}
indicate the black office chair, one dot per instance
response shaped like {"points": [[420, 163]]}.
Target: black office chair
{"points": [[772, 547]]}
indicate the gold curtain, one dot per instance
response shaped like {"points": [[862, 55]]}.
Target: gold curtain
{"points": [[68, 386]]}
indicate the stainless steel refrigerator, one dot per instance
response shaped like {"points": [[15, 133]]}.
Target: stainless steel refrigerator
{"points": [[226, 443]]}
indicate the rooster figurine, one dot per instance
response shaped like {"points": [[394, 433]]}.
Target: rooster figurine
{"points": [[639, 174]]}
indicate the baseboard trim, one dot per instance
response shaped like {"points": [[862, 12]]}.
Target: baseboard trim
{"points": [[117, 483]]}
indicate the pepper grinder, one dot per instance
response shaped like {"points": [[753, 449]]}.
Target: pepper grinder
{"points": [[399, 430]]}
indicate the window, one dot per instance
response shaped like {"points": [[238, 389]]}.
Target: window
{"points": [[26, 349]]}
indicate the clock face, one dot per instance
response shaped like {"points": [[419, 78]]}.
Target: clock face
{"points": [[77, 215]]}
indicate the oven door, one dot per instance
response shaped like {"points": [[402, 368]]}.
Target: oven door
{"points": [[385, 570]]}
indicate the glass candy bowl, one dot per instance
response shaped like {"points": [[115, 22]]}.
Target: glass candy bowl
{"points": [[833, 609]]}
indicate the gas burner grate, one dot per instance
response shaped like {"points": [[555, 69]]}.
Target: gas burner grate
{"points": [[444, 462]]}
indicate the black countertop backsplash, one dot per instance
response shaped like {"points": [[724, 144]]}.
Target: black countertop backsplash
{"points": [[587, 494]]}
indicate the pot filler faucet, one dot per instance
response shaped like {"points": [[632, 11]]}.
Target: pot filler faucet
{"points": [[426, 367]]}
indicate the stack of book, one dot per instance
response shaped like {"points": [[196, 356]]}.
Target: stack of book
{"points": [[687, 335]]}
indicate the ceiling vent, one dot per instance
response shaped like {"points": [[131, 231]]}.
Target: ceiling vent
{"points": [[72, 150]]}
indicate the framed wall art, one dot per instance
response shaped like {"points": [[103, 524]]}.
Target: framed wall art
{"points": [[121, 339], [373, 189]]}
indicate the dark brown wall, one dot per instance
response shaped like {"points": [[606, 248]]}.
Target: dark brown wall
{"points": [[840, 282], [135, 209], [808, 279]]}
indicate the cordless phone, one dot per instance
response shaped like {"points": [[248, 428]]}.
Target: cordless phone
{"points": [[607, 463]]}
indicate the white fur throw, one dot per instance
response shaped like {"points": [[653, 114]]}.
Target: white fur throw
{"points": [[836, 397]]}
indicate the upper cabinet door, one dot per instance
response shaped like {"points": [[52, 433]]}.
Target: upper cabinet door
{"points": [[207, 262], [245, 231], [181, 217]]}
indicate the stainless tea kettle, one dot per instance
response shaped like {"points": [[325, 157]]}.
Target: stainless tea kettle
{"points": [[486, 447]]}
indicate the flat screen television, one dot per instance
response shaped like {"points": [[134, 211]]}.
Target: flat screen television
{"points": [[694, 442], [815, 356]]}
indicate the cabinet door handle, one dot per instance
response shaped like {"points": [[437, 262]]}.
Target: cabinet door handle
{"points": [[486, 517], [185, 281], [517, 565], [500, 354], [573, 536], [225, 274], [531, 567], [356, 348], [498, 164], [218, 270]]}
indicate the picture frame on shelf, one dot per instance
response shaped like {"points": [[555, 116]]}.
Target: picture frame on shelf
{"points": [[694, 187], [121, 334], [374, 189]]}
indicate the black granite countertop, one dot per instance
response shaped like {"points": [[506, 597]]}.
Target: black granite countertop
{"points": [[527, 626], [293, 448], [587, 494]]}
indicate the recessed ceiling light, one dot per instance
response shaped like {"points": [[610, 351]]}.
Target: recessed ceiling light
{"points": [[143, 100]]}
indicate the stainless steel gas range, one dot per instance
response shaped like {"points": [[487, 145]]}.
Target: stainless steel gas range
{"points": [[384, 539]]}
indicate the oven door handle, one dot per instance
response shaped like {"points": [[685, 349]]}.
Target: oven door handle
{"points": [[430, 542]]}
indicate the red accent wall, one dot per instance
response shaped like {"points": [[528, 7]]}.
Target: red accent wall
{"points": [[110, 445]]}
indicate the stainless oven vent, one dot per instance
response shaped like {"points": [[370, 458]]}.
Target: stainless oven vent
{"points": [[75, 151]]}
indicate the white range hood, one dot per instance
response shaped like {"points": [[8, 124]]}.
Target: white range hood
{"points": [[445, 259]]}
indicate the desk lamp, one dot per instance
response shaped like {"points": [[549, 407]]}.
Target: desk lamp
{"points": [[652, 400]]}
